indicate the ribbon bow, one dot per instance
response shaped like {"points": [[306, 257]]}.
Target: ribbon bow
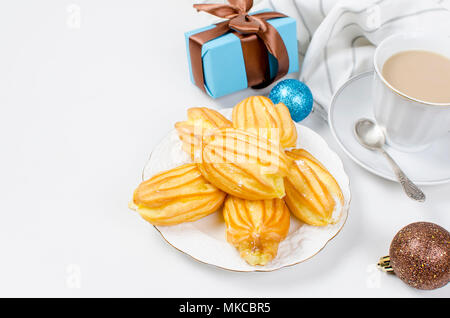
{"points": [[246, 27], [237, 13]]}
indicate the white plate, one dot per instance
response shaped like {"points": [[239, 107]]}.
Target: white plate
{"points": [[352, 102], [205, 241]]}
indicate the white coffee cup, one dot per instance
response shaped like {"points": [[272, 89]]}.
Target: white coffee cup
{"points": [[409, 124]]}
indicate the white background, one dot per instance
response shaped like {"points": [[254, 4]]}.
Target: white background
{"points": [[83, 103]]}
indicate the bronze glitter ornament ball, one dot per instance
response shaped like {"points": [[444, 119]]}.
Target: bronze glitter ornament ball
{"points": [[420, 255]]}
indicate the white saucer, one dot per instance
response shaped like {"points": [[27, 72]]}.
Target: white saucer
{"points": [[352, 102]]}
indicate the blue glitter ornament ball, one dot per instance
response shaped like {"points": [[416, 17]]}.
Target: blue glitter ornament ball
{"points": [[295, 95]]}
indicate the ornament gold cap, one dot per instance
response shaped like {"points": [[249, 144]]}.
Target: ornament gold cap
{"points": [[385, 264]]}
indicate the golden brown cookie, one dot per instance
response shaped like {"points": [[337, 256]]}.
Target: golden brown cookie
{"points": [[176, 196], [245, 165], [256, 228], [311, 191], [259, 115], [201, 123]]}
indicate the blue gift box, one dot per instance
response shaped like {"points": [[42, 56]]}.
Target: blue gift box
{"points": [[223, 60]]}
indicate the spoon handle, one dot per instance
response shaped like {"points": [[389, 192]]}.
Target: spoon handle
{"points": [[409, 187]]}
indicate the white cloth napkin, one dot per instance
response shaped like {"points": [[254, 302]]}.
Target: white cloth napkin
{"points": [[337, 38]]}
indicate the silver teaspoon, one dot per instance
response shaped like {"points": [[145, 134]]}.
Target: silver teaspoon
{"points": [[372, 137]]}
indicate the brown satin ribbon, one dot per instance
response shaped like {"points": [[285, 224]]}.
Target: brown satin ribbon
{"points": [[257, 37]]}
